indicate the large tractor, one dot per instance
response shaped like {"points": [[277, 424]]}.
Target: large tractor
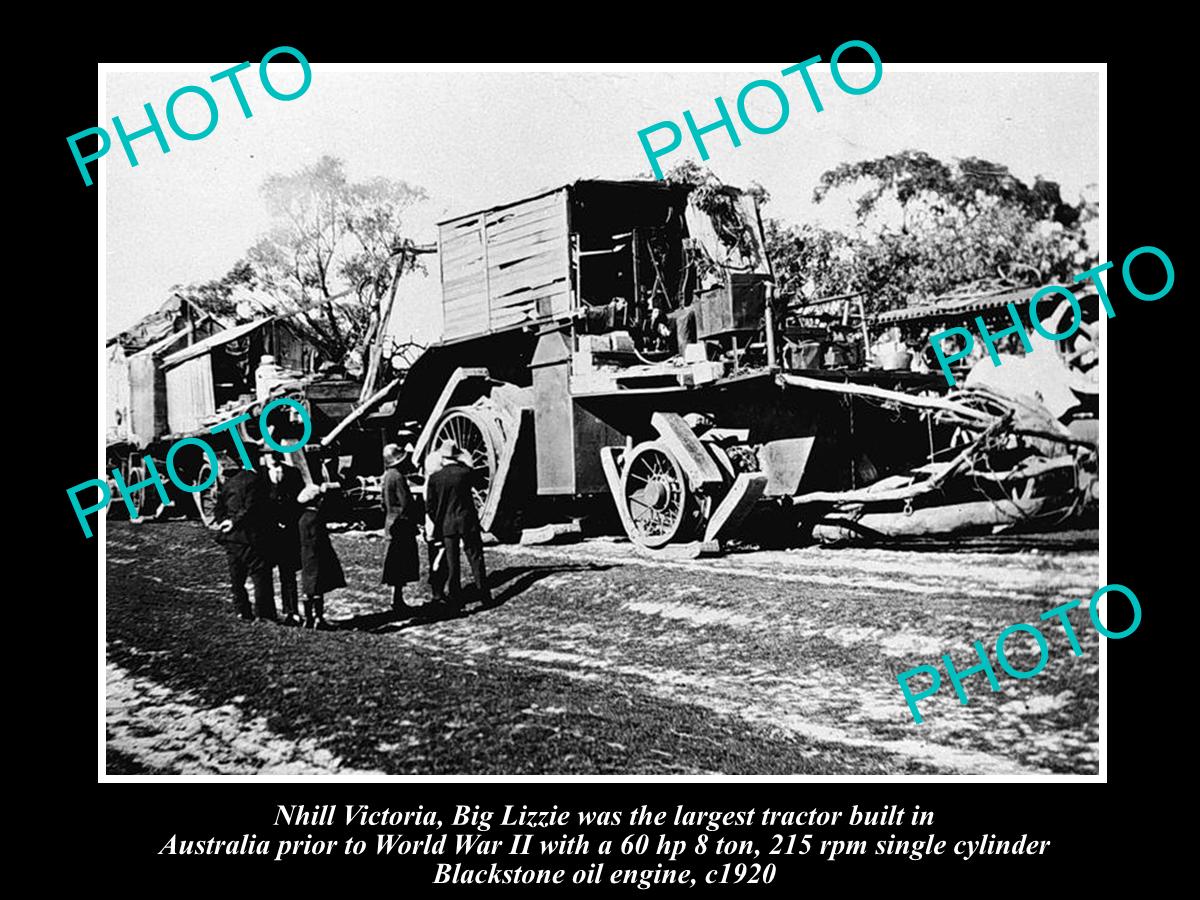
{"points": [[612, 351]]}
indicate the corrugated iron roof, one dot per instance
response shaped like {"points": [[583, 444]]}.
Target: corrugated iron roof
{"points": [[157, 348], [161, 322], [953, 309]]}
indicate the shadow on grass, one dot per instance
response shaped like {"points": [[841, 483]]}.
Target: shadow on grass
{"points": [[513, 580]]}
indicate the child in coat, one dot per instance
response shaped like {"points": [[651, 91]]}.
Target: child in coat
{"points": [[320, 570]]}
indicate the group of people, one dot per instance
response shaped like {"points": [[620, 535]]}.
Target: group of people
{"points": [[451, 526], [270, 520]]}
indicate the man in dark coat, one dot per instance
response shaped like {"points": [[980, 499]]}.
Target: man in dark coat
{"points": [[400, 563], [284, 485], [245, 520], [451, 503]]}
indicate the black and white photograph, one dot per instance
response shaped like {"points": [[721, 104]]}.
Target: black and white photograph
{"points": [[581, 421]]}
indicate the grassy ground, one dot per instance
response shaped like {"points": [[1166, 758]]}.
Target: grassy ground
{"points": [[596, 661]]}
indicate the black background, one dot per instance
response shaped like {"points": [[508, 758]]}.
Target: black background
{"points": [[1149, 457]]}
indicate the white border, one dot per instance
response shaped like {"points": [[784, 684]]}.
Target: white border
{"points": [[103, 69]]}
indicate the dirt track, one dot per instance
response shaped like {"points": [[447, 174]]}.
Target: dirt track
{"points": [[599, 661]]}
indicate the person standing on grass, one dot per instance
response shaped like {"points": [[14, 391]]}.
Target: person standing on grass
{"points": [[400, 522], [244, 521], [284, 486], [451, 503], [320, 570]]}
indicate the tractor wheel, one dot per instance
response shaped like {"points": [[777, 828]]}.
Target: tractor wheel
{"points": [[479, 432], [656, 495], [141, 496], [206, 499]]}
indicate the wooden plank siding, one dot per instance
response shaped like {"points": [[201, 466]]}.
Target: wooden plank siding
{"points": [[190, 397], [506, 266]]}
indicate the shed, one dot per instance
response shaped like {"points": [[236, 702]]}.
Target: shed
{"points": [[192, 393], [203, 377], [136, 390]]}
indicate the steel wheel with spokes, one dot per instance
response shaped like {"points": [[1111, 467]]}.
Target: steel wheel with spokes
{"points": [[206, 499], [140, 496], [478, 438], [655, 494]]}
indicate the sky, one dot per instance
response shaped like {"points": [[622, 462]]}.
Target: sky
{"points": [[474, 139]]}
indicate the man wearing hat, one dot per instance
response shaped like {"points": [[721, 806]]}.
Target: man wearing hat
{"points": [[451, 504], [400, 563], [245, 520]]}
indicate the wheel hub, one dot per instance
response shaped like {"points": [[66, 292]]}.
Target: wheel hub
{"points": [[471, 430], [655, 494]]}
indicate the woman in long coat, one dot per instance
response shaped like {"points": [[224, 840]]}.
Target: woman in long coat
{"points": [[320, 570], [400, 564]]}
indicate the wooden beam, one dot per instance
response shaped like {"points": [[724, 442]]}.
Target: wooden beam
{"points": [[358, 411], [867, 390], [697, 463], [458, 378], [380, 335], [746, 490]]}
